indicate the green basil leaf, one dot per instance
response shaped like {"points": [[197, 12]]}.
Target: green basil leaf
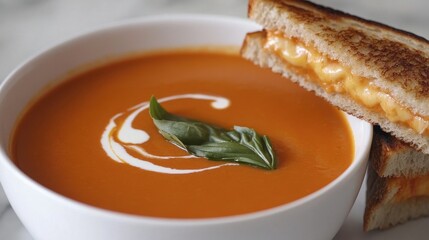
{"points": [[227, 151], [241, 145], [187, 132]]}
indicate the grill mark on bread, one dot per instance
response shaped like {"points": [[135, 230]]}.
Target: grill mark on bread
{"points": [[304, 16], [327, 13], [395, 61], [308, 8]]}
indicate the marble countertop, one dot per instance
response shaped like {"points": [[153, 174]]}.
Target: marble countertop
{"points": [[29, 26]]}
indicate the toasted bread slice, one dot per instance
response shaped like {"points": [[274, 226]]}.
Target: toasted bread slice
{"points": [[394, 200], [384, 72], [392, 157]]}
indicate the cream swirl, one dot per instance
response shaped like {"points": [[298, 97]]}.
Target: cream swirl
{"points": [[129, 137]]}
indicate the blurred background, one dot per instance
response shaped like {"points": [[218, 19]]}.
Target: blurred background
{"points": [[29, 26]]}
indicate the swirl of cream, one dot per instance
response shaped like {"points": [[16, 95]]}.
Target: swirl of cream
{"points": [[128, 137], [128, 134]]}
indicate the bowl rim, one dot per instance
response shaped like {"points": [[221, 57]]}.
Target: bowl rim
{"points": [[9, 166]]}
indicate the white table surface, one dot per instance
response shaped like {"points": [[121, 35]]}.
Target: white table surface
{"points": [[29, 26]]}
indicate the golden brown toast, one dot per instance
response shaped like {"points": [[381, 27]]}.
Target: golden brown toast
{"points": [[382, 59]]}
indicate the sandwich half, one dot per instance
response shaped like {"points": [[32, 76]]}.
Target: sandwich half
{"points": [[372, 71], [397, 184], [390, 157]]}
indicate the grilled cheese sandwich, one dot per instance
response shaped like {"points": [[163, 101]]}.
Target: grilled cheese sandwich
{"points": [[371, 71], [335, 77]]}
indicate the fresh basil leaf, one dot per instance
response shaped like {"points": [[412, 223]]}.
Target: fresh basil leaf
{"points": [[227, 151], [187, 132], [241, 145]]}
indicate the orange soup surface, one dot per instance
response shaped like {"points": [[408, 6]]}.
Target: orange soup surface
{"points": [[70, 139]]}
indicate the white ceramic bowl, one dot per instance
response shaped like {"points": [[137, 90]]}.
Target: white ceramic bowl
{"points": [[50, 216]]}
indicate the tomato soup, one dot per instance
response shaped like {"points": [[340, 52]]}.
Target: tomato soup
{"points": [[91, 137]]}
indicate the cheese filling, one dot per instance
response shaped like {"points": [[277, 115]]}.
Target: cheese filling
{"points": [[334, 77], [410, 188]]}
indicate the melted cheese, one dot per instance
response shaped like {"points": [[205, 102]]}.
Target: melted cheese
{"points": [[334, 77], [410, 188]]}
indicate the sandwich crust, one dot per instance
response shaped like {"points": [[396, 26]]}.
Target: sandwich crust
{"points": [[396, 61]]}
